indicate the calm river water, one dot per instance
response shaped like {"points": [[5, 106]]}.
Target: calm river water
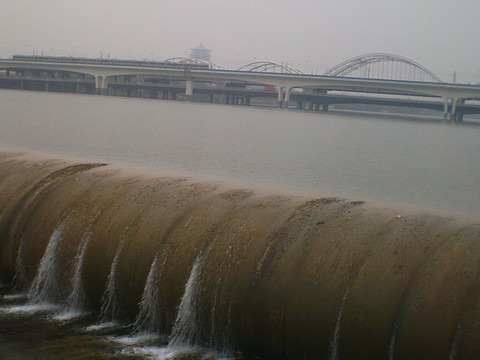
{"points": [[417, 164]]}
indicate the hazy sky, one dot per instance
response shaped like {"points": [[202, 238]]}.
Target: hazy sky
{"points": [[312, 35]]}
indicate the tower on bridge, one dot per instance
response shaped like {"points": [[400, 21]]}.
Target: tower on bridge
{"points": [[200, 53]]}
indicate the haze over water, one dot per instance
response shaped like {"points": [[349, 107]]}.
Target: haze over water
{"points": [[423, 165]]}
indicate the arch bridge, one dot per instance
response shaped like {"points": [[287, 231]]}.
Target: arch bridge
{"points": [[268, 66], [181, 60], [383, 66], [339, 78]]}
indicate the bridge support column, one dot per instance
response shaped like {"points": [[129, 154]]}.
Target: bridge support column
{"points": [[458, 115], [189, 90], [280, 96], [446, 111], [286, 96], [101, 84], [451, 113]]}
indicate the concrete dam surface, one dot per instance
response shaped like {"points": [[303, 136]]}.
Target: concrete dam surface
{"points": [[204, 270]]}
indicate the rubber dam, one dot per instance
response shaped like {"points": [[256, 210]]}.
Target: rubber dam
{"points": [[266, 276]]}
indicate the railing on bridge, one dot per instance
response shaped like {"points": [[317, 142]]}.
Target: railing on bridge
{"points": [[369, 73], [180, 62]]}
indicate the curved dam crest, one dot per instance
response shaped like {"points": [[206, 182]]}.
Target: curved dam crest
{"points": [[271, 276]]}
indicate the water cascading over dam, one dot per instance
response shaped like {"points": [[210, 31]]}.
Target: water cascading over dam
{"points": [[277, 277]]}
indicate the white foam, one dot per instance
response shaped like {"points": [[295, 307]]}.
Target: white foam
{"points": [[135, 339], [28, 308], [161, 352], [11, 297], [69, 315], [172, 352], [102, 326]]}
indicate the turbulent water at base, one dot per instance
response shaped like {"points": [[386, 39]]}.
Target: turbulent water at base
{"points": [[108, 261]]}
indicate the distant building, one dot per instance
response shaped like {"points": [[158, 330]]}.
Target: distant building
{"points": [[200, 53]]}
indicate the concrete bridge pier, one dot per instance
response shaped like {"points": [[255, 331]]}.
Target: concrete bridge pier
{"points": [[451, 113], [229, 99], [458, 114], [325, 105], [101, 84], [189, 90], [280, 96], [446, 110], [283, 95]]}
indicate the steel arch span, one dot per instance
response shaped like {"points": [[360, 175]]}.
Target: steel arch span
{"points": [[189, 61], [383, 66], [268, 66]]}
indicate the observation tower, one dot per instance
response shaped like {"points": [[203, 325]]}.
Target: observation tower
{"points": [[200, 53]]}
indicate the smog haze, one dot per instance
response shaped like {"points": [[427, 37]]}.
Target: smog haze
{"points": [[309, 35]]}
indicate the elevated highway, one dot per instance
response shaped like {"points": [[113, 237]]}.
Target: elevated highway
{"points": [[451, 95]]}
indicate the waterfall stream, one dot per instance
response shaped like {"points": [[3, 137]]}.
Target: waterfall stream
{"points": [[185, 329], [45, 286], [148, 318], [109, 309]]}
